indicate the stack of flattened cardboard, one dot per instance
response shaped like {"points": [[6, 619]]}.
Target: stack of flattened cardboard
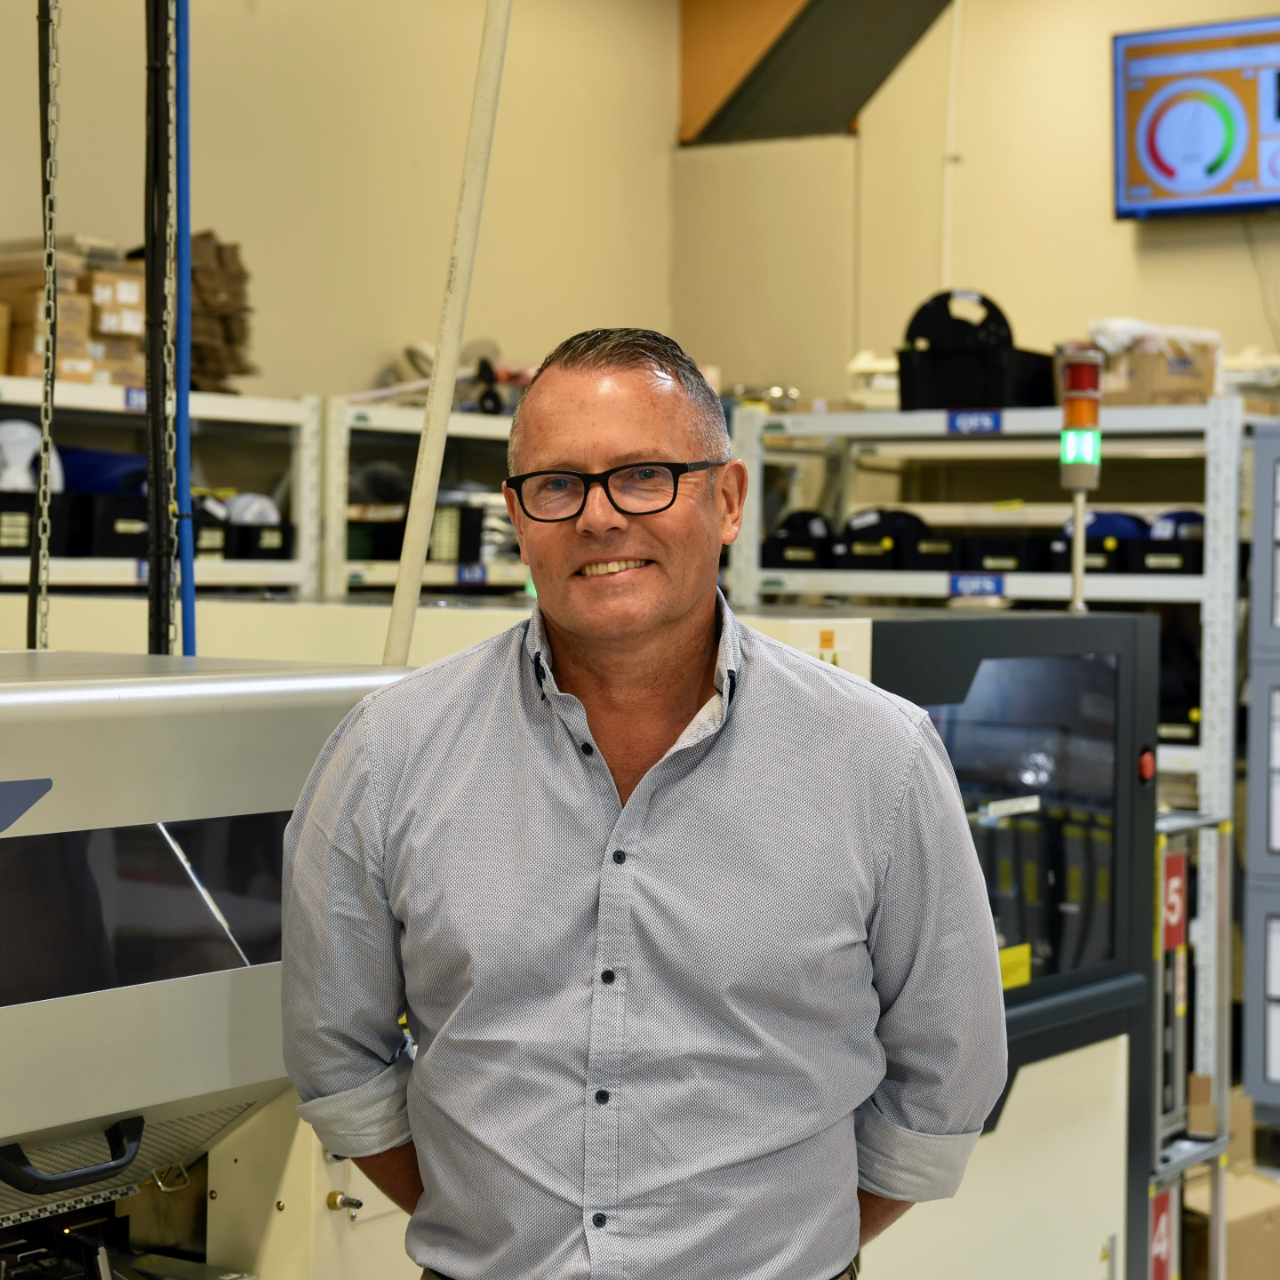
{"points": [[219, 314]]}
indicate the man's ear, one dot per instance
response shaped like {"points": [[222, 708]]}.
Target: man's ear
{"points": [[732, 488]]}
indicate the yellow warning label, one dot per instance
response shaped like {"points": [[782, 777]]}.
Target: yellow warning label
{"points": [[1015, 966], [827, 639]]}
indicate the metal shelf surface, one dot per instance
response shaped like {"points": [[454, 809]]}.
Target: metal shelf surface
{"points": [[205, 405], [94, 571], [440, 573], [935, 584], [924, 423], [408, 421]]}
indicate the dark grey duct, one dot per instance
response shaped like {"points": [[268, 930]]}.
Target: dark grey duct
{"points": [[823, 69]]}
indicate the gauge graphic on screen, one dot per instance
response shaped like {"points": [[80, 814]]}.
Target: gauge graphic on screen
{"points": [[1192, 135]]}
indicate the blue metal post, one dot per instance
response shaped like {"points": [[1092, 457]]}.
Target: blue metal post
{"points": [[182, 345]]}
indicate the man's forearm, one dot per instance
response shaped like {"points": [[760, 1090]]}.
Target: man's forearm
{"points": [[877, 1212], [395, 1174]]}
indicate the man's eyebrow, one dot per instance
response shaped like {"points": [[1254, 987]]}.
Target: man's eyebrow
{"points": [[634, 455]]}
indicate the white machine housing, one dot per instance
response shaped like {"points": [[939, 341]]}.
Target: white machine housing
{"points": [[92, 742]]}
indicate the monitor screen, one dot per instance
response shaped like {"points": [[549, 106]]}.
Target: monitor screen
{"points": [[1197, 119]]}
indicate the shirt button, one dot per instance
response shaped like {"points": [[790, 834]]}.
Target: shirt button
{"points": [[587, 749], [602, 1096], [598, 1219], [607, 977], [619, 857]]}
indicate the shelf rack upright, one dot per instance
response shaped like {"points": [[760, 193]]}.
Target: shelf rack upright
{"points": [[126, 406], [342, 418], [1216, 432]]}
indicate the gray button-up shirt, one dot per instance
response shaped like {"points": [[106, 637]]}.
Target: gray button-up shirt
{"points": [[655, 1041]]}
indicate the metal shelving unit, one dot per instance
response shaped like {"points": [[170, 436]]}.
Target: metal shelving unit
{"points": [[300, 418], [1213, 432], [341, 419]]}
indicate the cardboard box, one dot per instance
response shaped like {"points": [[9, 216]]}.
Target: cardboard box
{"points": [[116, 288], [114, 348], [1163, 371], [26, 339], [121, 373], [1201, 1113], [1240, 1152], [1253, 1226], [110, 322], [27, 308], [70, 368]]}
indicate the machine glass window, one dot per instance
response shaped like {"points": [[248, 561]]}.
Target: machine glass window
{"points": [[86, 910], [1033, 746]]}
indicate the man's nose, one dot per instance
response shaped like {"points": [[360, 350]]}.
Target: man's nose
{"points": [[600, 515]]}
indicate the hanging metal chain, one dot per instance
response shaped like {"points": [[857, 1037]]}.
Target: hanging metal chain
{"points": [[41, 531], [171, 320]]}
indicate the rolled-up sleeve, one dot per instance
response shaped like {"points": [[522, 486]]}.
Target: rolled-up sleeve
{"points": [[937, 973], [343, 984]]}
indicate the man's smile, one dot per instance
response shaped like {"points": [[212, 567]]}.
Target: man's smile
{"points": [[599, 567]]}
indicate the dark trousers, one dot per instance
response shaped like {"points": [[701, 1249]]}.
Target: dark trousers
{"points": [[849, 1273]]}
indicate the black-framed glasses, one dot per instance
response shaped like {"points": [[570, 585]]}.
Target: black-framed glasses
{"points": [[637, 489]]}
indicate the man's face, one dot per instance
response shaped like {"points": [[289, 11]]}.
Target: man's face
{"points": [[660, 567]]}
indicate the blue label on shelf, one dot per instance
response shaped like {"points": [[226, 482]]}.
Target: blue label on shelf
{"points": [[973, 422], [135, 398], [977, 584], [471, 575]]}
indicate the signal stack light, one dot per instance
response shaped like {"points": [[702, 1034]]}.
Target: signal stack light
{"points": [[1081, 456]]}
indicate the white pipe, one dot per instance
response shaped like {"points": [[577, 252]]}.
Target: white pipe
{"points": [[453, 314], [949, 157], [1078, 526]]}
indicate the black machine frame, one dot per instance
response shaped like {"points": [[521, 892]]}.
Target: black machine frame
{"points": [[1067, 1011]]}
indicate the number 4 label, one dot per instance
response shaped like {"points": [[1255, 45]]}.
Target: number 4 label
{"points": [[1161, 1238]]}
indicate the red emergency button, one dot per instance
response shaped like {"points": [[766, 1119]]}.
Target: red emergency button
{"points": [[1146, 765]]}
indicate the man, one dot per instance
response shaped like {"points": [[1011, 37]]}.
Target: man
{"points": [[687, 927]]}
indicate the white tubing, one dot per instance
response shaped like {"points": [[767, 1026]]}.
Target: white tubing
{"points": [[453, 314]]}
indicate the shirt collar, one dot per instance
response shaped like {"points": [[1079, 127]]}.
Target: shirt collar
{"points": [[728, 656]]}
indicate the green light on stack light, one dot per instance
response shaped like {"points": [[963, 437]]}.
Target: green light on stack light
{"points": [[1081, 447]]}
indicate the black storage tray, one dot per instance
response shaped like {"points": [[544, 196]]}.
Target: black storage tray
{"points": [[1006, 553], [1099, 557], [261, 541], [17, 523], [935, 550], [1163, 555], [374, 539], [108, 525], [870, 553]]}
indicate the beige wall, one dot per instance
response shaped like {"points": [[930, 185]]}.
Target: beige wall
{"points": [[1033, 224], [763, 266], [327, 137], [791, 255]]}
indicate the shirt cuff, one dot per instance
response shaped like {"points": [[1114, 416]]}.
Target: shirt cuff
{"points": [[366, 1120], [902, 1164]]}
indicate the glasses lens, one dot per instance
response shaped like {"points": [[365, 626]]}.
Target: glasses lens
{"points": [[643, 488], [552, 497]]}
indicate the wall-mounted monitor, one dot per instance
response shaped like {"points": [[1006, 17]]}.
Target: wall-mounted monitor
{"points": [[1197, 119]]}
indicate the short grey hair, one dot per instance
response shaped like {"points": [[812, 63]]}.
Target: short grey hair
{"points": [[603, 349]]}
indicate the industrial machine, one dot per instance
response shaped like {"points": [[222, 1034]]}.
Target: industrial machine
{"points": [[1050, 723], [142, 806]]}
